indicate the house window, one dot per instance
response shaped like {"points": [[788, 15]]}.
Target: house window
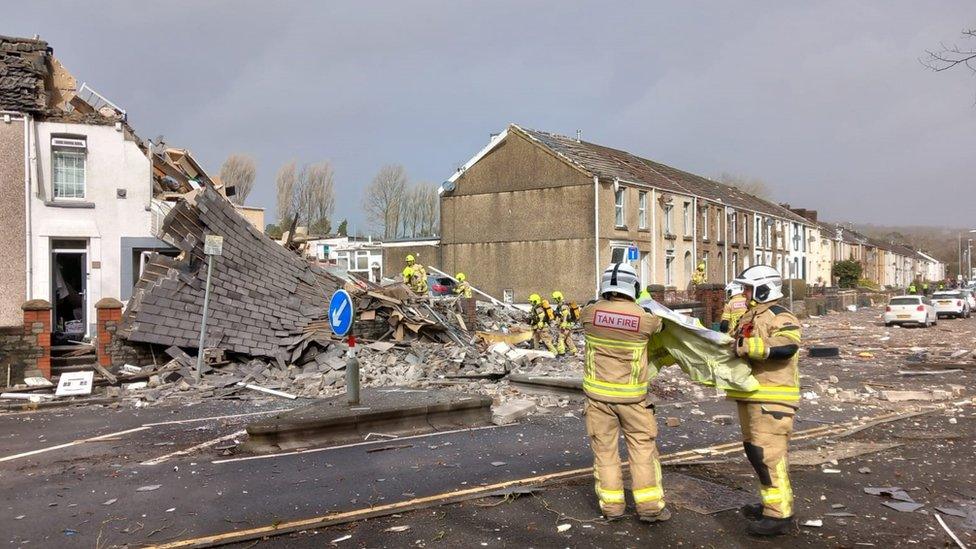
{"points": [[735, 263], [342, 260], [757, 230], [705, 223], [68, 157], [705, 261], [796, 237], [668, 219], [642, 209], [669, 268], [735, 228], [689, 267], [687, 218], [718, 226], [362, 260], [618, 207]]}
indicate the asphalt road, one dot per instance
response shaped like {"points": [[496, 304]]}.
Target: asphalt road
{"points": [[64, 489]]}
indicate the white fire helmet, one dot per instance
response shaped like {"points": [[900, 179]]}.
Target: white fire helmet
{"points": [[733, 289], [766, 283], [620, 278]]}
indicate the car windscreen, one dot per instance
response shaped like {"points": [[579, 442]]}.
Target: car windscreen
{"points": [[904, 301]]}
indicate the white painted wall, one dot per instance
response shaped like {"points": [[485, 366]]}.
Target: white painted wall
{"points": [[112, 163]]}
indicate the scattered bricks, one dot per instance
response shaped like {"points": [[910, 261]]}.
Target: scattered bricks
{"points": [[511, 411], [673, 421], [722, 419], [901, 396], [847, 395]]}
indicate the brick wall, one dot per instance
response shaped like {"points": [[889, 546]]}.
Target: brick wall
{"points": [[26, 349], [712, 298], [108, 316]]}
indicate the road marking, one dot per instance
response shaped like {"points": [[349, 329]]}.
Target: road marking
{"points": [[69, 444], [191, 449], [144, 427], [369, 442], [480, 491]]}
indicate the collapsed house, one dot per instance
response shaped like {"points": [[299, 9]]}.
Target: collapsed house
{"points": [[266, 301]]}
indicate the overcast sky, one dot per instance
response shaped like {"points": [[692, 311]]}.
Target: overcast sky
{"points": [[825, 100]]}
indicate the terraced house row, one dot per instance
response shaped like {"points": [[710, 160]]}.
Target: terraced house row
{"points": [[535, 211]]}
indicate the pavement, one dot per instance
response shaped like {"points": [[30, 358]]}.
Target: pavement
{"points": [[113, 476]]}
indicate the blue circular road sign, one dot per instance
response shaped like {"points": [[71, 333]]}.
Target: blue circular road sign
{"points": [[341, 313]]}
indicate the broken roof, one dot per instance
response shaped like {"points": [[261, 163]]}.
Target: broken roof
{"points": [[23, 69], [609, 163]]}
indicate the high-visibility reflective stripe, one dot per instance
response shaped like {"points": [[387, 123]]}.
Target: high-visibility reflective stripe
{"points": [[610, 496], [791, 334], [757, 347], [771, 495], [614, 389], [654, 493], [783, 479], [635, 365], [599, 341], [765, 392]]}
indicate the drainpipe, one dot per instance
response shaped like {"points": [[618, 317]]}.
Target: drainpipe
{"points": [[149, 155], [596, 231], [653, 237], [725, 239], [28, 164], [694, 237]]}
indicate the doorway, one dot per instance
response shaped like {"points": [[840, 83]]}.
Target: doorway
{"points": [[69, 289]]}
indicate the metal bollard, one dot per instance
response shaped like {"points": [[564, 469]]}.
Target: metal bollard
{"points": [[352, 375]]}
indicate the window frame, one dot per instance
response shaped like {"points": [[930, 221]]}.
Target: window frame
{"points": [[64, 147], [686, 219], [642, 209], [619, 207]]}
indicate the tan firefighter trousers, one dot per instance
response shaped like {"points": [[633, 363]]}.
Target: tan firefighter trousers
{"points": [[766, 430], [603, 424]]}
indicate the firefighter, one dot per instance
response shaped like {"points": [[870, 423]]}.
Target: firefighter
{"points": [[463, 289], [768, 337], [911, 288], [415, 276], [615, 378], [699, 277], [735, 307], [540, 317], [644, 294], [567, 314]]}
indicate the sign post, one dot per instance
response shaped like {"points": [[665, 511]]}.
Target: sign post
{"points": [[212, 246], [341, 316]]}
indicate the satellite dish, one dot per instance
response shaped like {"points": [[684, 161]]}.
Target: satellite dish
{"points": [[447, 186]]}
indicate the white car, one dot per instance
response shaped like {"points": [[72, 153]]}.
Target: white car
{"points": [[951, 303], [970, 296], [910, 309]]}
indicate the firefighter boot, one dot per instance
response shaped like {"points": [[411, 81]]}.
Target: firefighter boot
{"points": [[752, 511], [769, 526], [661, 516]]}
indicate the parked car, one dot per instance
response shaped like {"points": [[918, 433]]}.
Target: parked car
{"points": [[910, 309], [441, 285], [951, 303], [970, 296]]}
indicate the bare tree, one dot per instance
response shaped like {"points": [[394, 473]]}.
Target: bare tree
{"points": [[285, 185], [384, 199], [428, 208], [753, 186], [238, 171], [305, 197], [314, 197], [947, 57]]}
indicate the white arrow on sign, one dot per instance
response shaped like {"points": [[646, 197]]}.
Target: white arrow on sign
{"points": [[337, 314]]}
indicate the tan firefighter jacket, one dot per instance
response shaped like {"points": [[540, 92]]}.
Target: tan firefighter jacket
{"points": [[770, 330], [617, 334]]}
